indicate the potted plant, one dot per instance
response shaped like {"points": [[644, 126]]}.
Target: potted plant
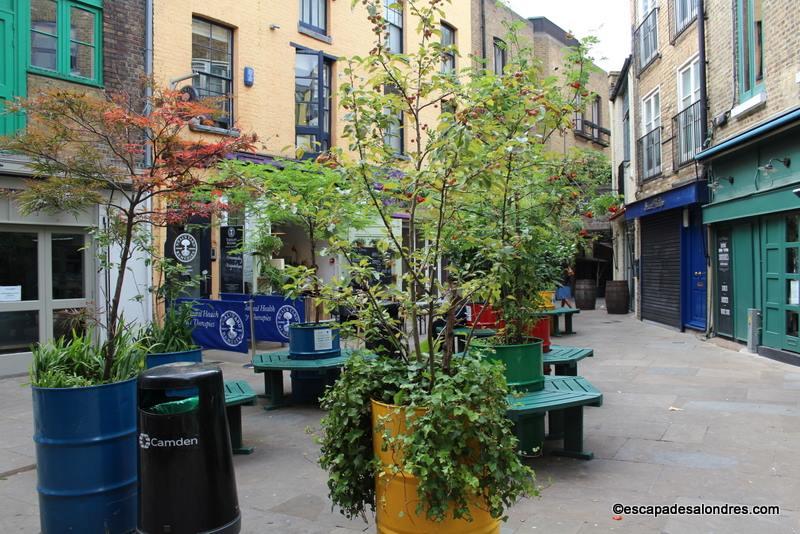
{"points": [[169, 339], [412, 433], [87, 151]]}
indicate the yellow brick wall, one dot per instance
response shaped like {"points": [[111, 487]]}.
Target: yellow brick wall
{"points": [[267, 108]]}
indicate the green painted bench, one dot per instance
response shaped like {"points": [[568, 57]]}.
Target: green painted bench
{"points": [[565, 394], [273, 364], [565, 359], [554, 315], [238, 393]]}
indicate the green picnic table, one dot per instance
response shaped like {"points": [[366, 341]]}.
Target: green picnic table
{"points": [[272, 364], [565, 394], [238, 393], [565, 359], [554, 315]]}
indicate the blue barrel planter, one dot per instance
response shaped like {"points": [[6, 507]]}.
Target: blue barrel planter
{"points": [[86, 458], [161, 358], [313, 341]]}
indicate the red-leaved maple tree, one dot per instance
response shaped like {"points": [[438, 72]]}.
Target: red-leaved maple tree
{"points": [[135, 158]]}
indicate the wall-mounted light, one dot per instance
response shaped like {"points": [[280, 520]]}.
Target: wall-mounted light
{"points": [[274, 27], [769, 167]]}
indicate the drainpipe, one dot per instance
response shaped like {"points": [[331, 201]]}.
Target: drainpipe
{"points": [[701, 48], [148, 93], [483, 31]]}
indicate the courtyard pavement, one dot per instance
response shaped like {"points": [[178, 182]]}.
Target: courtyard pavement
{"points": [[684, 421]]}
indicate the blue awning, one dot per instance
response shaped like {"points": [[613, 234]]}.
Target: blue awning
{"points": [[749, 135], [692, 193]]}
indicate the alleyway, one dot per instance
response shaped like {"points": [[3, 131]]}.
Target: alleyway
{"points": [[684, 421]]}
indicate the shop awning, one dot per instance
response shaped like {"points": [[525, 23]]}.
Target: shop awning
{"points": [[691, 193]]}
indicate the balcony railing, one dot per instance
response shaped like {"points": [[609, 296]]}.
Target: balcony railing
{"points": [[592, 132], [645, 40], [687, 136], [681, 15], [650, 154]]}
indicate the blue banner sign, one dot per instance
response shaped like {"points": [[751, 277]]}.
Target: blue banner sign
{"points": [[272, 315], [220, 324]]}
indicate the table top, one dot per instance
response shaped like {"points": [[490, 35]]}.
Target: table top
{"points": [[559, 392], [280, 361]]}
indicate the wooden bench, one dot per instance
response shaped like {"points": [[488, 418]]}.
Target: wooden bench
{"points": [[554, 314], [273, 364], [238, 393], [565, 394], [565, 359]]}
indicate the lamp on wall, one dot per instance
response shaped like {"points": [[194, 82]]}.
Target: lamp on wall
{"points": [[769, 167]]}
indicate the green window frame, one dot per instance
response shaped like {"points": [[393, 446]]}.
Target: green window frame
{"points": [[76, 58], [750, 19]]}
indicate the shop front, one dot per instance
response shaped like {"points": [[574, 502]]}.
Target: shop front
{"points": [[672, 257], [754, 216]]}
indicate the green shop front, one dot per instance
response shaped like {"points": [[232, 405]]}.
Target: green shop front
{"points": [[754, 216]]}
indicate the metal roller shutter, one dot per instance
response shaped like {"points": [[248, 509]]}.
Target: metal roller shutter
{"points": [[661, 268]]}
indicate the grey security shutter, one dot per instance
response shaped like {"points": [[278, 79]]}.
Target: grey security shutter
{"points": [[661, 268]]}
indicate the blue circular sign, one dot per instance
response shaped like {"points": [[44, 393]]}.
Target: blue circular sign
{"points": [[285, 317], [231, 328]]}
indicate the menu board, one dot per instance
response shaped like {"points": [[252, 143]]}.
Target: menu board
{"points": [[379, 261], [724, 284], [232, 268]]}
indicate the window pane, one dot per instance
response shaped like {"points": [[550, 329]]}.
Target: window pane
{"points": [[758, 26], [43, 16], [792, 323], [306, 142], [306, 65], [201, 33], [68, 268], [792, 228], [43, 51], [19, 266], [18, 331], [745, 45], [81, 59], [793, 292], [81, 25]]}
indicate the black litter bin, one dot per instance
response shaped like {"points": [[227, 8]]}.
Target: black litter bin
{"points": [[186, 478]]}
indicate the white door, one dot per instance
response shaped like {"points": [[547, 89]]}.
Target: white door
{"points": [[651, 126], [688, 119], [45, 280]]}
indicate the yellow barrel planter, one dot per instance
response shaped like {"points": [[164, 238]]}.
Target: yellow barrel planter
{"points": [[548, 299], [396, 493]]}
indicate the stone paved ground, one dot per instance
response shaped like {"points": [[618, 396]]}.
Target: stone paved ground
{"points": [[684, 421]]}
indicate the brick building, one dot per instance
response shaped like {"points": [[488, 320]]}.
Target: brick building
{"points": [[712, 104], [49, 265]]}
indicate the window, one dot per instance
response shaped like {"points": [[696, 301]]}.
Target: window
{"points": [[646, 38], [751, 53], [393, 133], [499, 56], [448, 53], [66, 39], [312, 99], [686, 124], [650, 143], [314, 15], [212, 61], [626, 126], [684, 12], [394, 26]]}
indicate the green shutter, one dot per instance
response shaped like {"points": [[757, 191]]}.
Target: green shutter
{"points": [[12, 72]]}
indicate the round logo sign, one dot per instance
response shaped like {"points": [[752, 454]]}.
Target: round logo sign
{"points": [[231, 328], [231, 231], [285, 317], [185, 248]]}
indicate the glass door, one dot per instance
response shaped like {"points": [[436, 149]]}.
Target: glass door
{"points": [[781, 309], [44, 284]]}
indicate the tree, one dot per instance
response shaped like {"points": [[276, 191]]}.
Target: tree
{"points": [[87, 150]]}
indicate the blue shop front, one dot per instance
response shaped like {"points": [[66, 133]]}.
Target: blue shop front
{"points": [[673, 256]]}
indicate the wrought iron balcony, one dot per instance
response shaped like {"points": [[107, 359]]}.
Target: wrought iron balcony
{"points": [[592, 132], [649, 154], [687, 137], [645, 41]]}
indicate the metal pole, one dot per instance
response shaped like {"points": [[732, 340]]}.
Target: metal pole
{"points": [[252, 329]]}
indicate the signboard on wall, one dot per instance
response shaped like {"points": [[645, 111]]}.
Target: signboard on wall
{"points": [[232, 265], [379, 261], [724, 284]]}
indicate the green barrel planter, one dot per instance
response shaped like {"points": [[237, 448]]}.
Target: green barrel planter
{"points": [[523, 362]]}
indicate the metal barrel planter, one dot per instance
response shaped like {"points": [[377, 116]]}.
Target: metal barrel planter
{"points": [[523, 362], [313, 341], [161, 358], [86, 458]]}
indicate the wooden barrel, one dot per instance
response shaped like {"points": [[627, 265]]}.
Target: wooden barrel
{"points": [[617, 296], [585, 294]]}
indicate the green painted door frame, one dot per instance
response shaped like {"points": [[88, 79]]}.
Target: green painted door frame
{"points": [[13, 62]]}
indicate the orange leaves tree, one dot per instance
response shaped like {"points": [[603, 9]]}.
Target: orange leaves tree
{"points": [[134, 158]]}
